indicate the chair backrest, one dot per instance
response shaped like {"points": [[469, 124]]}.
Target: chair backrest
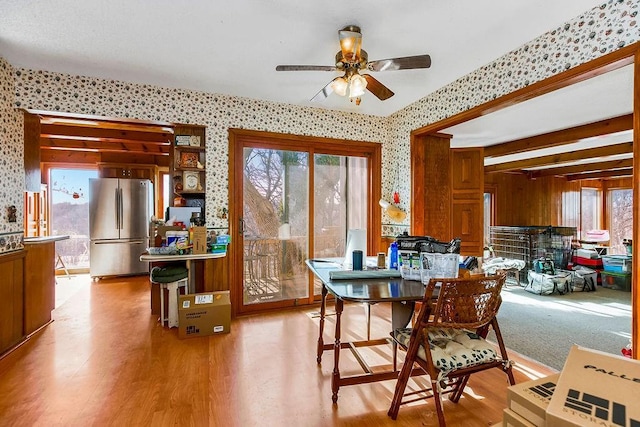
{"points": [[464, 303]]}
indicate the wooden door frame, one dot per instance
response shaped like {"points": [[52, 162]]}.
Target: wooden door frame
{"points": [[240, 138], [626, 55]]}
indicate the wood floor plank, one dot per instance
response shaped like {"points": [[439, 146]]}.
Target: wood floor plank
{"points": [[105, 360]]}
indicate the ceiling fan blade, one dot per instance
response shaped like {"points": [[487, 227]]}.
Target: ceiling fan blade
{"points": [[377, 88], [405, 63], [324, 92], [305, 68]]}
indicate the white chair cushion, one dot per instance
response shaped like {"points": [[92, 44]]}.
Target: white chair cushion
{"points": [[453, 348]]}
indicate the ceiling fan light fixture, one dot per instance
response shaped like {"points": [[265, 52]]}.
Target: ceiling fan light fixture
{"points": [[340, 86], [357, 86], [350, 43]]}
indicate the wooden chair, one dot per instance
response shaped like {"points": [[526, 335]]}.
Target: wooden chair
{"points": [[448, 341]]}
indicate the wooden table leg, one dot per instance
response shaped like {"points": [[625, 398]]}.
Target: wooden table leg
{"points": [[335, 380], [323, 305]]}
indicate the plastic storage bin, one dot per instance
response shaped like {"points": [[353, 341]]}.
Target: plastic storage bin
{"points": [[618, 281], [616, 263]]}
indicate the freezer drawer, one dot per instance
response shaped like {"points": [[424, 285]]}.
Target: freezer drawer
{"points": [[117, 257]]}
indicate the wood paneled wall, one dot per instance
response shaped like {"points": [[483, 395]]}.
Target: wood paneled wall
{"points": [[549, 200], [521, 201]]}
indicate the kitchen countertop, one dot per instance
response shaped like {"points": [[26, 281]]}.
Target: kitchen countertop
{"points": [[44, 239], [187, 257]]}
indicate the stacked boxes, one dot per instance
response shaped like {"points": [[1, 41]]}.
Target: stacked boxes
{"points": [[596, 389], [593, 389], [528, 401]]}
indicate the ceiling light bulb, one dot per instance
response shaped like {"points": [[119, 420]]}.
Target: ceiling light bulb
{"points": [[357, 86], [340, 85], [350, 43]]}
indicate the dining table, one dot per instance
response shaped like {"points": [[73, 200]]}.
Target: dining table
{"points": [[383, 286]]}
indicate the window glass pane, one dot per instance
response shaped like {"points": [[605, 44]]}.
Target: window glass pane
{"points": [[620, 219], [590, 210], [487, 218], [70, 214], [276, 229]]}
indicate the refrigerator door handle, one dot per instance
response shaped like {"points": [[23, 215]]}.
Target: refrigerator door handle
{"points": [[120, 225], [111, 242], [117, 209]]}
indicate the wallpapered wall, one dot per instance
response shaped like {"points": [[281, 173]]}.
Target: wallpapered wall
{"points": [[601, 30], [596, 32], [11, 162]]}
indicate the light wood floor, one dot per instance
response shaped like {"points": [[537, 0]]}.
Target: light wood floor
{"points": [[106, 361]]}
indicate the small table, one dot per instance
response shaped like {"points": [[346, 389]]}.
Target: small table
{"points": [[401, 293], [186, 258]]}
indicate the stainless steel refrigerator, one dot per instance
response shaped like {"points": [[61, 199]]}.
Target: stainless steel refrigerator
{"points": [[119, 214]]}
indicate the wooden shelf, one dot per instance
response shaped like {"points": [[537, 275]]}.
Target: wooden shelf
{"points": [[189, 154]]}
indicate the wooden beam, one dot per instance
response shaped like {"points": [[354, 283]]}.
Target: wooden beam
{"points": [[561, 137], [609, 150], [609, 62], [139, 134], [600, 175], [635, 277], [50, 142], [47, 114], [582, 168]]}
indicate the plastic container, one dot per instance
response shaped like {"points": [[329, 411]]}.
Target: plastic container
{"points": [[439, 265], [410, 266], [616, 263], [393, 256], [617, 281]]}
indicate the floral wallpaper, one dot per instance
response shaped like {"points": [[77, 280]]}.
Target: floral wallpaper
{"points": [[596, 32], [43, 90], [11, 161], [601, 30]]}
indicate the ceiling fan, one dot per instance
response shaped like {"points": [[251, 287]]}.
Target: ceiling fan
{"points": [[351, 59]]}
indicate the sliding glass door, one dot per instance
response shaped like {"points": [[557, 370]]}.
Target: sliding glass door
{"points": [[275, 225], [291, 202]]}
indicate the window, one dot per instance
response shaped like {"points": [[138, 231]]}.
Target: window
{"points": [[590, 209], [489, 217], [620, 208], [69, 191]]}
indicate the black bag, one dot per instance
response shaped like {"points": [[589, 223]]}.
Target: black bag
{"points": [[427, 244]]}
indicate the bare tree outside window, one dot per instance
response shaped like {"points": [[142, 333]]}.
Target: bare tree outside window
{"points": [[620, 218]]}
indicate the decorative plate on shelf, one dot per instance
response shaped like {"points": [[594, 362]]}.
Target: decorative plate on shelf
{"points": [[188, 160], [191, 181]]}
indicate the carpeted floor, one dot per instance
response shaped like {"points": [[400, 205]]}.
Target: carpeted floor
{"points": [[544, 328]]}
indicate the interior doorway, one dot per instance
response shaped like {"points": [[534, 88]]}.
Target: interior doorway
{"points": [[69, 215]]}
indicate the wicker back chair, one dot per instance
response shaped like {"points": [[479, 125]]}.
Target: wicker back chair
{"points": [[448, 339]]}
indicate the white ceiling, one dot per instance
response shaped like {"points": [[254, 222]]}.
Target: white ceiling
{"points": [[606, 96], [233, 47]]}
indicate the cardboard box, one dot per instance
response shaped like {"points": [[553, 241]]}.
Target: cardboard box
{"points": [[204, 314], [596, 389], [511, 419], [199, 240], [531, 399]]}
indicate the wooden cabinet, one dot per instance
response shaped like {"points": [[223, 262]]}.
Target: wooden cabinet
{"points": [[188, 165], [108, 170], [467, 192], [39, 285], [11, 299], [447, 192]]}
